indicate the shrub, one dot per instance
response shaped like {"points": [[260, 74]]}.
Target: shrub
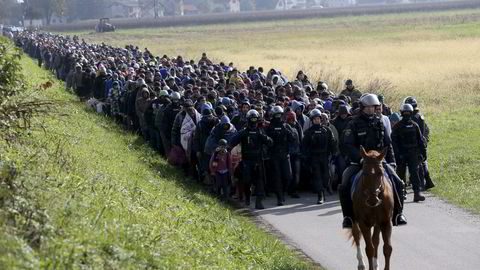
{"points": [[17, 103]]}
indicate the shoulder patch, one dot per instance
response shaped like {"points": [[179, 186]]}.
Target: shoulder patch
{"points": [[347, 132]]}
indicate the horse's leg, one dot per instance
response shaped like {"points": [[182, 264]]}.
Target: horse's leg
{"points": [[387, 243], [367, 236], [375, 241], [356, 238]]}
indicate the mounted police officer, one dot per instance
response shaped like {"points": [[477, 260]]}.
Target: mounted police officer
{"points": [[283, 136], [367, 130], [410, 150], [420, 120], [253, 139], [318, 146]]}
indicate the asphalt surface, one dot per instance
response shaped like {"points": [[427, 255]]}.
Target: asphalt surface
{"points": [[438, 235]]}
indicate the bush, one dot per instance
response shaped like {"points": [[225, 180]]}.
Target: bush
{"points": [[17, 104]]}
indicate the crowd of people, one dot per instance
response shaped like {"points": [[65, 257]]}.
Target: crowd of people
{"points": [[243, 133]]}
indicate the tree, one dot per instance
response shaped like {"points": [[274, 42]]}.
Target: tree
{"points": [[9, 10], [44, 9], [86, 9]]}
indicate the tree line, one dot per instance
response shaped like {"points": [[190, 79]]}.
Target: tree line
{"points": [[15, 12]]}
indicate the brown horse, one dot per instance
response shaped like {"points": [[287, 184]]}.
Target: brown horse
{"points": [[373, 207]]}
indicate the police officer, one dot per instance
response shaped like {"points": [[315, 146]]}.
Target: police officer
{"points": [[420, 120], [282, 136], [366, 129], [409, 148], [317, 146], [252, 139]]}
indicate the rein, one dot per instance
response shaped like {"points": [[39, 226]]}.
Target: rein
{"points": [[378, 190]]}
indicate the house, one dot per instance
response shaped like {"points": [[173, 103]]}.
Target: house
{"points": [[124, 9]]}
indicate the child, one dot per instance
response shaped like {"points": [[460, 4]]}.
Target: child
{"points": [[220, 167]]}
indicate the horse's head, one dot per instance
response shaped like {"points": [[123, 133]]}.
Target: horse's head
{"points": [[372, 185]]}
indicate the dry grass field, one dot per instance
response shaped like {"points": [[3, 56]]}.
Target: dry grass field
{"points": [[433, 56], [430, 55]]}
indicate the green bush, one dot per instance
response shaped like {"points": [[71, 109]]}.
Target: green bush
{"points": [[17, 103]]}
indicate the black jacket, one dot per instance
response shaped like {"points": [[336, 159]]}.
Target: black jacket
{"points": [[318, 142], [252, 140], [282, 136], [368, 132], [407, 139]]}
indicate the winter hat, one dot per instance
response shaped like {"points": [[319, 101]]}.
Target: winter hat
{"points": [[342, 109], [206, 109], [394, 117], [225, 120]]}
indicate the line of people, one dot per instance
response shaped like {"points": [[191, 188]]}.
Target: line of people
{"points": [[243, 133]]}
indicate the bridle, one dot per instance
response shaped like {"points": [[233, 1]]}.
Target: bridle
{"points": [[378, 190]]}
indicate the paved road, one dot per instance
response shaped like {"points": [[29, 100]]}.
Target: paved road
{"points": [[438, 236]]}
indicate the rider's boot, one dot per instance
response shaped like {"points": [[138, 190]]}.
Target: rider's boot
{"points": [[398, 217], [347, 208]]}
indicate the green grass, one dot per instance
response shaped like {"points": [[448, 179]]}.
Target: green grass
{"points": [[454, 156], [111, 203]]}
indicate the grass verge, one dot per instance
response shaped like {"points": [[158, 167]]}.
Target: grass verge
{"points": [[104, 200], [454, 156]]}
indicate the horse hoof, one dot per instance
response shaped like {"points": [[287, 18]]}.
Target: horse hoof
{"points": [[361, 268]]}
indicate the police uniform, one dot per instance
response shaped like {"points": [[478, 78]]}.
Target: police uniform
{"points": [[282, 136], [409, 147], [252, 139], [317, 146], [425, 180], [424, 174], [369, 132]]}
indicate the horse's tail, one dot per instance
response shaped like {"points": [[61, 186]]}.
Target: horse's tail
{"points": [[354, 234]]}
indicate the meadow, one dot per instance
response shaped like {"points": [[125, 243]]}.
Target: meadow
{"points": [[432, 55]]}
